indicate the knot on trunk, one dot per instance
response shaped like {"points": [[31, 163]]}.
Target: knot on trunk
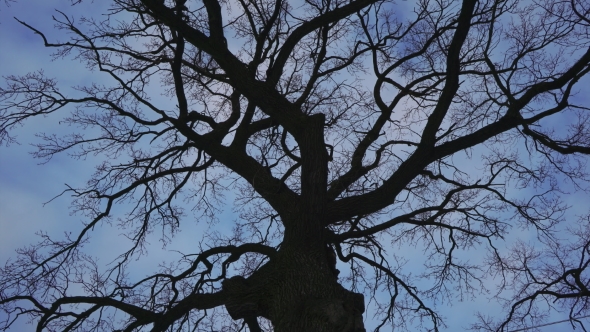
{"points": [[243, 300], [342, 314]]}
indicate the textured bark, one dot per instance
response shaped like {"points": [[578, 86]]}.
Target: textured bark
{"points": [[297, 291]]}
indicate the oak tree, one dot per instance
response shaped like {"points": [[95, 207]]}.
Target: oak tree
{"points": [[346, 129]]}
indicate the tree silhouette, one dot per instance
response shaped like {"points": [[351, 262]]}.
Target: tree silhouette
{"points": [[345, 128]]}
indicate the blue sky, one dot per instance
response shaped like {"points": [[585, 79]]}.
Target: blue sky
{"points": [[25, 185]]}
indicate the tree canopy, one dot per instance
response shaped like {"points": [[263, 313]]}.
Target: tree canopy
{"points": [[347, 131]]}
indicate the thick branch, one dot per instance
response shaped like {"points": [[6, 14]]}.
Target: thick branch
{"points": [[385, 195]]}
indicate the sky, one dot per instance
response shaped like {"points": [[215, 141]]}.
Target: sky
{"points": [[26, 185]]}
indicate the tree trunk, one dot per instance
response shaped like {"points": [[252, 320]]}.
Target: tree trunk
{"points": [[297, 291]]}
